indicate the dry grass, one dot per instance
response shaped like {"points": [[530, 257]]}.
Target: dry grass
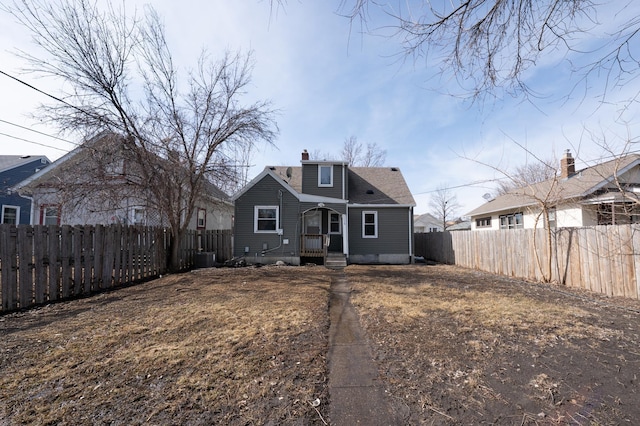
{"points": [[248, 346], [222, 346], [461, 347]]}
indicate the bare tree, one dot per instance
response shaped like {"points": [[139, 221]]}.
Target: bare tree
{"points": [[491, 44], [120, 77], [444, 205], [527, 174], [357, 154], [526, 183]]}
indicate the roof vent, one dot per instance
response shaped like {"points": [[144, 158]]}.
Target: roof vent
{"points": [[24, 157], [271, 168], [394, 169], [369, 191]]}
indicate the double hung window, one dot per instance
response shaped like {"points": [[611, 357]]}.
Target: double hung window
{"points": [[369, 224], [266, 219]]}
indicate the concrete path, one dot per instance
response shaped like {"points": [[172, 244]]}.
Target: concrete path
{"points": [[356, 392]]}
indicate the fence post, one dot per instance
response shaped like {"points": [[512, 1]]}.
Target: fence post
{"points": [[40, 243], [25, 244], [8, 256]]}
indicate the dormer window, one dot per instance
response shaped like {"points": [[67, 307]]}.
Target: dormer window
{"points": [[325, 175]]}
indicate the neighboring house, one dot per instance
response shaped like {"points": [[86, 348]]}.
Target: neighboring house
{"points": [[463, 225], [90, 186], [604, 194], [426, 223], [13, 169], [325, 208]]}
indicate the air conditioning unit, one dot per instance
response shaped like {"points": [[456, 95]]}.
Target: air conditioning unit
{"points": [[205, 259]]}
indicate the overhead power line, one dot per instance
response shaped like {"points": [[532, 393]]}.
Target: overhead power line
{"points": [[38, 132], [33, 142]]}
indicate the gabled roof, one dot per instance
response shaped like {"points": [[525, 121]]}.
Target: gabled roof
{"points": [[8, 162], [583, 183], [271, 171], [387, 183], [426, 219], [75, 155], [367, 185]]}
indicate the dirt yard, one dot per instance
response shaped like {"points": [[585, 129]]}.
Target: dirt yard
{"points": [[461, 347], [248, 346]]}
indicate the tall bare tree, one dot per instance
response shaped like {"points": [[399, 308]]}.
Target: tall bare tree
{"points": [[444, 205], [527, 174], [117, 74], [491, 44], [355, 153]]}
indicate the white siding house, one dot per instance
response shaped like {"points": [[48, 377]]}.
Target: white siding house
{"points": [[603, 194]]}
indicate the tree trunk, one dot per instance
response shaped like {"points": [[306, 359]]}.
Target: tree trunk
{"points": [[173, 252]]}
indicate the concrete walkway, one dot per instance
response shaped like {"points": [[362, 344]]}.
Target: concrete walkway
{"points": [[356, 392]]}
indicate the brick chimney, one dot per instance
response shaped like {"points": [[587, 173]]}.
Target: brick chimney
{"points": [[567, 165], [305, 155]]}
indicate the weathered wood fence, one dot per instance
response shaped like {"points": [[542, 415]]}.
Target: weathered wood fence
{"points": [[604, 259], [40, 264], [218, 241]]}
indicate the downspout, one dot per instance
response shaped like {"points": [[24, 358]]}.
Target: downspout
{"points": [[31, 209], [345, 232], [344, 193], [410, 234]]}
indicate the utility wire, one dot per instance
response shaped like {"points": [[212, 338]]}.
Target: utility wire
{"points": [[38, 90], [33, 142], [36, 131]]}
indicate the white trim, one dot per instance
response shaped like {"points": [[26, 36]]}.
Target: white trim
{"points": [[325, 185], [329, 223], [375, 223], [17, 208], [345, 233], [255, 219], [411, 232], [380, 206]]}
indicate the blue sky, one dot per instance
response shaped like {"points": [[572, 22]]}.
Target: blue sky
{"points": [[330, 83]]}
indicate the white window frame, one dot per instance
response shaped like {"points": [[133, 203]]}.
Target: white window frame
{"points": [[201, 222], [375, 223], [320, 167], [255, 219], [510, 221], [44, 216], [339, 231], [139, 213], [17, 209]]}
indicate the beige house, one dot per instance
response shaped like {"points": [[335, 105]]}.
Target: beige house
{"points": [[91, 185], [604, 194]]}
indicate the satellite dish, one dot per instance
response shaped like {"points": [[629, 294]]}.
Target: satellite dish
{"points": [[289, 172], [487, 196]]}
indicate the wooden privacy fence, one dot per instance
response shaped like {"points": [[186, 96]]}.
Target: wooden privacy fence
{"points": [[218, 241], [604, 259], [40, 264]]}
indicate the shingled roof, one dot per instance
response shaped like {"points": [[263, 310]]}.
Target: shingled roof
{"points": [[579, 185], [367, 185]]}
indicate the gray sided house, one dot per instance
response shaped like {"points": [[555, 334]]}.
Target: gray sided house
{"points": [[325, 208], [14, 169]]}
